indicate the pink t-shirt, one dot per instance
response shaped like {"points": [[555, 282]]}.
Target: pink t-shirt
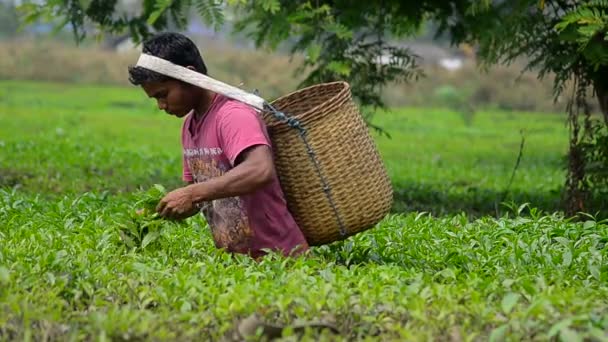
{"points": [[252, 222]]}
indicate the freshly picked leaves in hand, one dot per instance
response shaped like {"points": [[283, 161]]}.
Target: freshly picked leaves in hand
{"points": [[144, 225], [146, 206]]}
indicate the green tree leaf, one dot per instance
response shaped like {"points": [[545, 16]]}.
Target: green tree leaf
{"points": [[272, 6], [160, 7]]}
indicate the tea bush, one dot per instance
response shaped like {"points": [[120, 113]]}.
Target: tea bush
{"points": [[79, 262]]}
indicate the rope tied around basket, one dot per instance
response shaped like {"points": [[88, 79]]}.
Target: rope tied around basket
{"points": [[292, 122], [295, 123]]}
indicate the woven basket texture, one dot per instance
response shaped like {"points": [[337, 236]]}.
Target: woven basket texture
{"points": [[348, 158]]}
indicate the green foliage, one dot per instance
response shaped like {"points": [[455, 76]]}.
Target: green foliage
{"points": [[65, 133], [141, 225], [346, 40], [159, 8], [83, 16], [211, 12], [586, 26], [594, 148], [77, 138], [341, 41], [68, 273], [561, 38], [354, 41]]}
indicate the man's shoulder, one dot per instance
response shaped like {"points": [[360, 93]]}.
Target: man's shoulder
{"points": [[230, 107]]}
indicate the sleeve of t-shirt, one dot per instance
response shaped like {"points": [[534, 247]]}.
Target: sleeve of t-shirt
{"points": [[240, 128]]}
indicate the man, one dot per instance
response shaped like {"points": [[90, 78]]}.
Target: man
{"points": [[227, 159]]}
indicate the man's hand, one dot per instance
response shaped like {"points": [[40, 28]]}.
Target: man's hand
{"points": [[177, 204]]}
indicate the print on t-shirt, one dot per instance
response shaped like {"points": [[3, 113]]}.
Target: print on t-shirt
{"points": [[226, 217]]}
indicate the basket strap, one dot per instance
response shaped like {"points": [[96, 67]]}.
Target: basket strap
{"points": [[297, 125], [195, 78]]}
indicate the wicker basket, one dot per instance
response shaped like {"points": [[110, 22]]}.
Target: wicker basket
{"points": [[337, 186]]}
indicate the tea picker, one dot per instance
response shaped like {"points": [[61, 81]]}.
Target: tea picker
{"points": [[329, 168]]}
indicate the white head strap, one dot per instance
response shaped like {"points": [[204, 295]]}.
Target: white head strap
{"points": [[181, 73]]}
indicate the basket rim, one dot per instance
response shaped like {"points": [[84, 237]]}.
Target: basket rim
{"points": [[344, 91]]}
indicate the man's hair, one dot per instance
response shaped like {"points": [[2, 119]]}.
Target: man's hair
{"points": [[174, 47]]}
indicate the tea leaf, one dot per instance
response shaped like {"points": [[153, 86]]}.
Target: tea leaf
{"points": [[498, 334], [509, 301], [149, 238], [5, 276]]}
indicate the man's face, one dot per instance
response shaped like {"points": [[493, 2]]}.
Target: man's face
{"points": [[174, 97]]}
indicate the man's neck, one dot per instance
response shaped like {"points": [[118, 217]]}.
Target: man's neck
{"points": [[203, 105]]}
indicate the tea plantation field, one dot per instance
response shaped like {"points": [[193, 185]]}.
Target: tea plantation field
{"points": [[462, 257]]}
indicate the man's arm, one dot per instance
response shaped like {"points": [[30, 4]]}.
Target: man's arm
{"points": [[254, 169]]}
